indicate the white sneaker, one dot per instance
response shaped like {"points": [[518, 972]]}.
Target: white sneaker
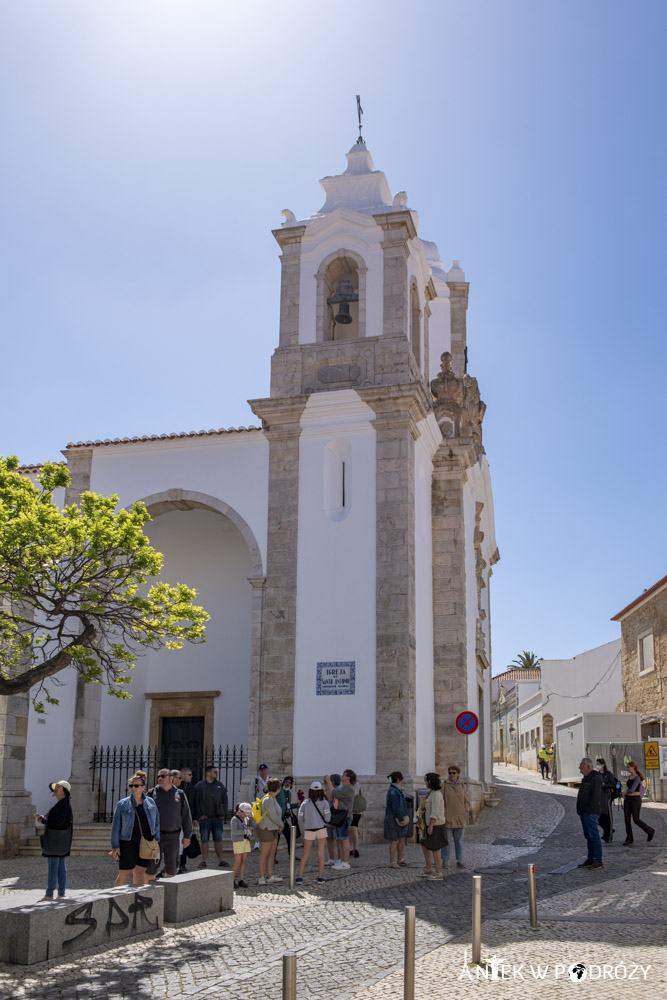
{"points": [[343, 864], [261, 881], [274, 878], [330, 862]]}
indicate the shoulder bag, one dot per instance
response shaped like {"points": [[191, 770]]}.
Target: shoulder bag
{"points": [[56, 843], [149, 850]]}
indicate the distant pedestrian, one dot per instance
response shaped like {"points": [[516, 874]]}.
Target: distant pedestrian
{"points": [[606, 820], [589, 807], [543, 757], [632, 803], [211, 810], [457, 807], [434, 837], [269, 827], [242, 831], [175, 824], [135, 817], [57, 839], [314, 814], [396, 820]]}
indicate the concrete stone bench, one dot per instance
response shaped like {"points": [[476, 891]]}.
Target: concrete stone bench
{"points": [[197, 894], [31, 931]]}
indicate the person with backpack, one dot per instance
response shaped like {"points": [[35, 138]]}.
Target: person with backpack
{"points": [[242, 831], [314, 814], [609, 784], [632, 803], [175, 819], [269, 827]]}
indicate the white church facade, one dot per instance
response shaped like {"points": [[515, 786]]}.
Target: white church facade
{"points": [[343, 546]]}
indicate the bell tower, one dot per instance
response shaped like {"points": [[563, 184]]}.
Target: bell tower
{"points": [[347, 643]]}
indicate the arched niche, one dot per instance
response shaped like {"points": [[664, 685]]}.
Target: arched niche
{"points": [[177, 499], [343, 265]]}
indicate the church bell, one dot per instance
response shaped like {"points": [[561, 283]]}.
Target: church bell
{"points": [[342, 297], [343, 314]]}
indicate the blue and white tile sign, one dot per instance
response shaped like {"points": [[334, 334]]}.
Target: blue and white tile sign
{"points": [[336, 678]]}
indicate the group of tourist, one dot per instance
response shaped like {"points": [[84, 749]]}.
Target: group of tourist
{"points": [[597, 790], [443, 813]]}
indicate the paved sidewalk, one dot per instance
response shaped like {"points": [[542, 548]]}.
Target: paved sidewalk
{"points": [[354, 923]]}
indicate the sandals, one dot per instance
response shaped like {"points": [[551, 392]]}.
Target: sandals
{"points": [[426, 873], [403, 864], [394, 865]]}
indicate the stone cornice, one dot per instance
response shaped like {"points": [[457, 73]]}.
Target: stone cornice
{"points": [[409, 397], [390, 221], [456, 453], [279, 414], [284, 237]]}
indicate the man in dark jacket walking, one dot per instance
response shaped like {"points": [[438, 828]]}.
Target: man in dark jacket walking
{"points": [[589, 807]]}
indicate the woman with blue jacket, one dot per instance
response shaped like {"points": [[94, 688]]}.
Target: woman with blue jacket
{"points": [[396, 820], [134, 817]]}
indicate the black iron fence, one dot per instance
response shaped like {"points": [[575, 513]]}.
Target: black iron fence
{"points": [[112, 767]]}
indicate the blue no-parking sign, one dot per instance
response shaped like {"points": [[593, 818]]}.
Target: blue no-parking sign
{"points": [[467, 723]]}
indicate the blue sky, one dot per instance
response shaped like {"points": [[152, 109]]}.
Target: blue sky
{"points": [[149, 148]]}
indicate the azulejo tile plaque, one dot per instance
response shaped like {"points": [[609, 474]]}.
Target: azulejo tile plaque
{"points": [[336, 678]]}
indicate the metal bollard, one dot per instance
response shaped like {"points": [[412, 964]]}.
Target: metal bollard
{"points": [[532, 896], [476, 919], [409, 955], [289, 975], [292, 855]]}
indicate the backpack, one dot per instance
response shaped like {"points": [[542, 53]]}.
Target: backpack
{"points": [[257, 810], [616, 790]]}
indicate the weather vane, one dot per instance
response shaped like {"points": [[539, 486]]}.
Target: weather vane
{"points": [[360, 112]]}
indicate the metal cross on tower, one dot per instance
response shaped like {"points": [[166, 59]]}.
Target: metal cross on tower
{"points": [[360, 112]]}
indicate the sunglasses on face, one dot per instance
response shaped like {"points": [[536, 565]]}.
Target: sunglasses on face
{"points": [[135, 786]]}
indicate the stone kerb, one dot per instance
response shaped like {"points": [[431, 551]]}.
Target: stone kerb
{"points": [[36, 932], [197, 894]]}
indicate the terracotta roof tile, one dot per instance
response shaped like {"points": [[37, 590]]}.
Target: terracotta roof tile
{"points": [[161, 437]]}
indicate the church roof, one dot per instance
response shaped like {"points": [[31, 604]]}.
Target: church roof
{"points": [[161, 437]]}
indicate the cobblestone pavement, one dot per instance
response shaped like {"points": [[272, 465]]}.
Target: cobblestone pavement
{"points": [[608, 920]]}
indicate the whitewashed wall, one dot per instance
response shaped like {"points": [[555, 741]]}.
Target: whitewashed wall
{"points": [[589, 682], [336, 589], [49, 743], [206, 551]]}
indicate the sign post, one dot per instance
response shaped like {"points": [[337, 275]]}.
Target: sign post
{"points": [[466, 723]]}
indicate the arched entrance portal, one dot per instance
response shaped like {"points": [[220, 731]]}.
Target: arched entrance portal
{"points": [[199, 695]]}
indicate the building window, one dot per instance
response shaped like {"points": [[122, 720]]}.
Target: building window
{"points": [[537, 735], [646, 660]]}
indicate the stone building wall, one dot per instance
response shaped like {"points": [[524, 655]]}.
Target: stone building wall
{"points": [[645, 693]]}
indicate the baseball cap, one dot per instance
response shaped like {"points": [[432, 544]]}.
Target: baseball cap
{"points": [[262, 767], [316, 786]]}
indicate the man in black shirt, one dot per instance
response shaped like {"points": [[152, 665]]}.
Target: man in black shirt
{"points": [[589, 807], [188, 789], [210, 811]]}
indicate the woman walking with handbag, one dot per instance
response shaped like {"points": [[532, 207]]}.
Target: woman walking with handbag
{"points": [[135, 833], [57, 839], [632, 803], [396, 820]]}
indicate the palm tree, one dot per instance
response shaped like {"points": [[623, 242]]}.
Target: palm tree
{"points": [[526, 660]]}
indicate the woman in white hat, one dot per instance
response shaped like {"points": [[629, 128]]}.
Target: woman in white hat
{"points": [[314, 814], [57, 839]]}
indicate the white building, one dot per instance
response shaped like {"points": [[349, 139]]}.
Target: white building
{"points": [[343, 548]]}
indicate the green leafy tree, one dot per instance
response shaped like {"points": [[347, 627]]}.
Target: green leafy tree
{"points": [[75, 589], [526, 660]]}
